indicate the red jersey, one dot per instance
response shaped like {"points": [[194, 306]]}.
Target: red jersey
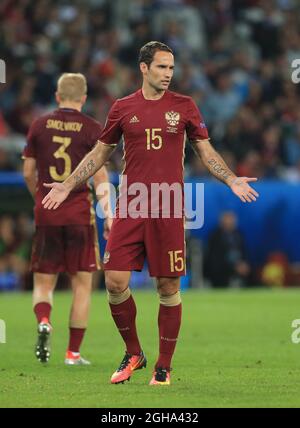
{"points": [[154, 134], [59, 141]]}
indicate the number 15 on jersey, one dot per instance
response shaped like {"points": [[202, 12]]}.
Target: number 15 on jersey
{"points": [[154, 140]]}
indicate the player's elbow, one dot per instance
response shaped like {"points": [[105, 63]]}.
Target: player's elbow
{"points": [[29, 169], [103, 151], [29, 174], [102, 174], [206, 152]]}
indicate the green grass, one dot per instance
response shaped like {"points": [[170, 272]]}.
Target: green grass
{"points": [[235, 350]]}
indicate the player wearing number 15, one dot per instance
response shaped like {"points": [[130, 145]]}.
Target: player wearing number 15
{"points": [[66, 239], [154, 123]]}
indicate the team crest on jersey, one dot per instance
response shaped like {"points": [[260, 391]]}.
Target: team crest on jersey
{"points": [[173, 118], [106, 257]]}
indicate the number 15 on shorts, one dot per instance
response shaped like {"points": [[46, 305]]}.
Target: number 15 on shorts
{"points": [[176, 261]]}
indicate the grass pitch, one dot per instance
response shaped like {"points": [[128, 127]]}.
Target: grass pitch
{"points": [[235, 350]]}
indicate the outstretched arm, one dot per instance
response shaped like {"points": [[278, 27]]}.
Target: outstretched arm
{"points": [[217, 166], [92, 162]]}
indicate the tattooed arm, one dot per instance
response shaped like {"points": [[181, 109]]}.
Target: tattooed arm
{"points": [[92, 162], [217, 167], [213, 161]]}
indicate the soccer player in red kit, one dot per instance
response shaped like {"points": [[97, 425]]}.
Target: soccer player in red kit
{"points": [[153, 122], [65, 240]]}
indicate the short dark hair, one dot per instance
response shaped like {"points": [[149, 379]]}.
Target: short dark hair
{"points": [[148, 51]]}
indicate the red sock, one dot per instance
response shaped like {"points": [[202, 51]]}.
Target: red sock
{"points": [[76, 338], [169, 320], [42, 310], [124, 316]]}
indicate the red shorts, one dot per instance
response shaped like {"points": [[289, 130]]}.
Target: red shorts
{"points": [[162, 241], [65, 249]]}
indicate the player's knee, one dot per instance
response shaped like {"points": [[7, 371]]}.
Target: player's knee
{"points": [[82, 281], [115, 283], [82, 289], [44, 283], [168, 286]]}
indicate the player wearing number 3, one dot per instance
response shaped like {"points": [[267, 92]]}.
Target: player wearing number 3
{"points": [[66, 239], [153, 122]]}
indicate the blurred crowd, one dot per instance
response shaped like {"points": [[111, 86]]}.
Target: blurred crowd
{"points": [[234, 57], [15, 249], [226, 249]]}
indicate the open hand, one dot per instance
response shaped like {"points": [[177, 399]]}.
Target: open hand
{"points": [[241, 189], [56, 196]]}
